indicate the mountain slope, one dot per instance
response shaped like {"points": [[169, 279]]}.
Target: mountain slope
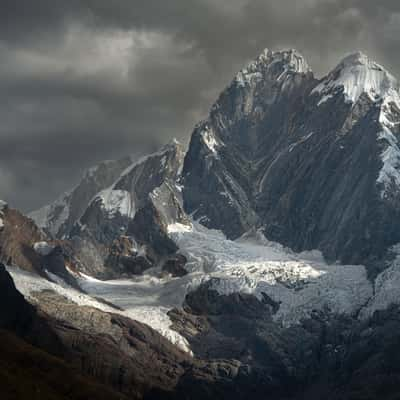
{"points": [[96, 216], [313, 163], [58, 218]]}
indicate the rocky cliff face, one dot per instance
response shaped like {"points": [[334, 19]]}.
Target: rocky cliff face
{"points": [[79, 352], [24, 245], [58, 218], [321, 357], [313, 163], [18, 234], [118, 203]]}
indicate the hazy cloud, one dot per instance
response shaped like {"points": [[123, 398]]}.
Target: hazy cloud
{"points": [[84, 80]]}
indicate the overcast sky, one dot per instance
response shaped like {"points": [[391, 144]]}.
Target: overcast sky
{"points": [[87, 80]]}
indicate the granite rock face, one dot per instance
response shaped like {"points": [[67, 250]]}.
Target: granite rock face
{"points": [[122, 355], [313, 163], [58, 218], [16, 313], [137, 207], [24, 245], [17, 239], [324, 356]]}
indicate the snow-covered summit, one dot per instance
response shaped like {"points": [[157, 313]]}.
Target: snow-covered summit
{"points": [[358, 74], [275, 64]]}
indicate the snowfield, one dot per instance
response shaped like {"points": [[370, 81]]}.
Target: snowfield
{"points": [[156, 317], [299, 283]]}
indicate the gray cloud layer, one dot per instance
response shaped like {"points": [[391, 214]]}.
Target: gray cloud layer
{"points": [[86, 80]]}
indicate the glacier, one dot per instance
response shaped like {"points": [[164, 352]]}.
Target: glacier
{"points": [[299, 283]]}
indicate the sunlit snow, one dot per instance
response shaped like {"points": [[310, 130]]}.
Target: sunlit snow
{"points": [[357, 74], [117, 201], [301, 283], [125, 294], [43, 248]]}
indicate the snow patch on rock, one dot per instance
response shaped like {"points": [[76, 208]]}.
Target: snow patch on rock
{"points": [[390, 172], [292, 62], [117, 201], [52, 216], [43, 248], [386, 287], [209, 139]]}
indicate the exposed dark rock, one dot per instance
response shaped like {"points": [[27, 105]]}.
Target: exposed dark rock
{"points": [[324, 357], [17, 240], [175, 265], [58, 218], [55, 262], [151, 201], [16, 313], [121, 353], [126, 356], [149, 228], [27, 372], [269, 155], [124, 258]]}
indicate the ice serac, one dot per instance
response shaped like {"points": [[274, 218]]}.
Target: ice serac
{"points": [[314, 163]]}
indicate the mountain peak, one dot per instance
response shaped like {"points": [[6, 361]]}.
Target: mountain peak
{"points": [[358, 74], [355, 58], [173, 143], [274, 65], [290, 57]]}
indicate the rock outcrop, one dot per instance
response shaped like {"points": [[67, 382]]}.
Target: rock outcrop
{"points": [[138, 205], [58, 218]]}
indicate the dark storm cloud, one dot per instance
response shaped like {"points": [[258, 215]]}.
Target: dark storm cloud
{"points": [[84, 80]]}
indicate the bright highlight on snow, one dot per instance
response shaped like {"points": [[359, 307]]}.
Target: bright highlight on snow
{"points": [[357, 74]]}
